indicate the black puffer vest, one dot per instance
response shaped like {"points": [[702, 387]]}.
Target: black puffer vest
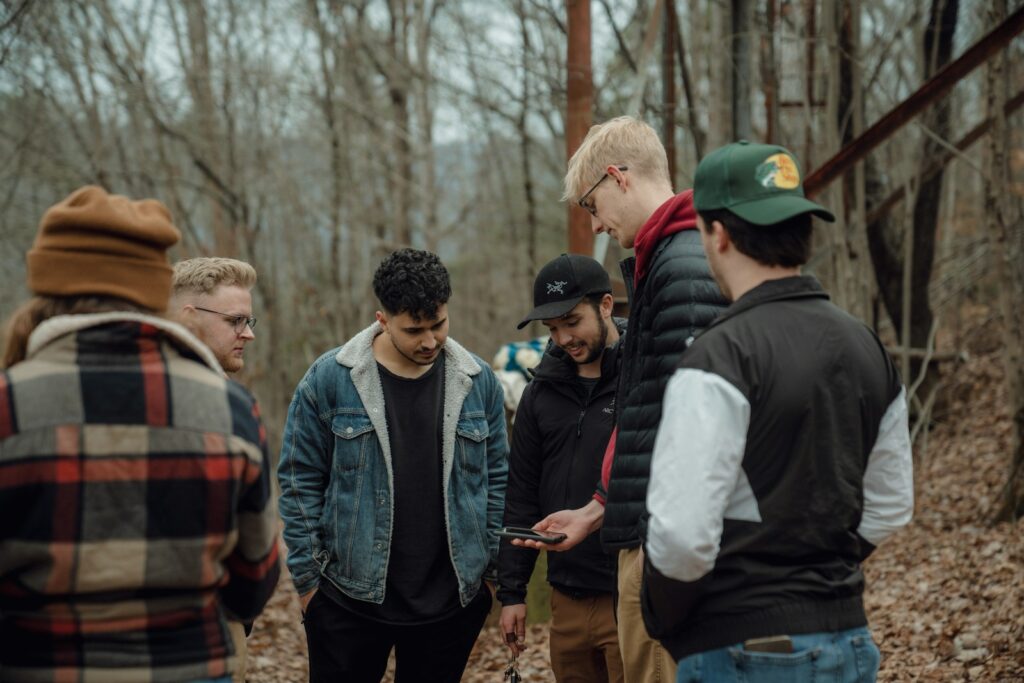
{"points": [[676, 299]]}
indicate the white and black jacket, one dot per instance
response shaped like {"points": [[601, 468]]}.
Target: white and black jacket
{"points": [[782, 459]]}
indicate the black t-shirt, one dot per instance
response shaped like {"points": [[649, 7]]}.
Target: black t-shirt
{"points": [[421, 584], [587, 384]]}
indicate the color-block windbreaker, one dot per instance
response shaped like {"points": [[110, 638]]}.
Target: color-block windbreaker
{"points": [[135, 505], [782, 459]]}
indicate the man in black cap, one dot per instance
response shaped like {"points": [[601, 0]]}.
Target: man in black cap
{"points": [[565, 418]]}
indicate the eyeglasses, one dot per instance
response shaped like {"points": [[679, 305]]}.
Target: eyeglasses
{"points": [[582, 201], [238, 322]]}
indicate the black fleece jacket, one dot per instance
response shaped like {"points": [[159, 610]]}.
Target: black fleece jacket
{"points": [[558, 442]]}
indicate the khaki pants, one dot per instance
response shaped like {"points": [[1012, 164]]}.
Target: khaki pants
{"points": [[584, 644], [645, 660], [237, 632]]}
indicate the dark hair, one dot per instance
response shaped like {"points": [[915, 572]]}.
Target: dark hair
{"points": [[595, 299], [786, 244], [412, 281]]}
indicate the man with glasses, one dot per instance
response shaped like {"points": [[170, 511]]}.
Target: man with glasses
{"points": [[620, 176], [212, 298]]}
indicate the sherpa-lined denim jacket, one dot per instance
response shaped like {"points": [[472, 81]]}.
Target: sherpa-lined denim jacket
{"points": [[336, 477]]}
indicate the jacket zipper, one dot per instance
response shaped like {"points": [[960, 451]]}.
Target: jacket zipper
{"points": [[586, 403]]}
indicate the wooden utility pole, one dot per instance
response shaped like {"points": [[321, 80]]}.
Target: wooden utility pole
{"points": [[580, 89]]}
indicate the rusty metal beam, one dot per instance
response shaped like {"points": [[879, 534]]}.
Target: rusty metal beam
{"points": [[1012, 105], [936, 87], [580, 95]]}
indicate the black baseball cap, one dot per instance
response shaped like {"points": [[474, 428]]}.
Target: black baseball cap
{"points": [[564, 282]]}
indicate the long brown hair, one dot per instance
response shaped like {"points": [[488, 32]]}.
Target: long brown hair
{"points": [[33, 312]]}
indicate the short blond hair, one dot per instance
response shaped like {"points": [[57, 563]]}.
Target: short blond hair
{"points": [[625, 141], [203, 275]]}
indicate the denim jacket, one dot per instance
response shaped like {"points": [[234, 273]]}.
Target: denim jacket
{"points": [[336, 471]]}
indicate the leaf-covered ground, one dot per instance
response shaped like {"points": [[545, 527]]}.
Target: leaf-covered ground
{"points": [[945, 596]]}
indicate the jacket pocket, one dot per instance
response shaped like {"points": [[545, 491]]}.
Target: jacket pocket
{"points": [[352, 432], [472, 433]]}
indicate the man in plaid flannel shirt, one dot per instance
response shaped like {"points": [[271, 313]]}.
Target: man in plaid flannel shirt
{"points": [[135, 503]]}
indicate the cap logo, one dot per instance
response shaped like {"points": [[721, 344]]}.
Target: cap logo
{"points": [[778, 172], [557, 286]]}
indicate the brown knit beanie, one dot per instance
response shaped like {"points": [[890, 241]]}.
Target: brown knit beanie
{"points": [[104, 244]]}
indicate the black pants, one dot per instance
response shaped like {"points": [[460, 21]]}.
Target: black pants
{"points": [[347, 647]]}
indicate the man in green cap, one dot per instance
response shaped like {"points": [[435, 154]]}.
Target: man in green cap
{"points": [[783, 455]]}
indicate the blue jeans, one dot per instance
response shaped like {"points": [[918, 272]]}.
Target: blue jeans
{"points": [[846, 656]]}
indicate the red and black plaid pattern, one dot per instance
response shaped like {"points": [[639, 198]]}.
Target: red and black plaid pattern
{"points": [[135, 507]]}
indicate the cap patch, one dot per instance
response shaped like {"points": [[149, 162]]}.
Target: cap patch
{"points": [[557, 286], [778, 171]]}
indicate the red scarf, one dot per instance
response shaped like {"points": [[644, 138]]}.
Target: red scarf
{"points": [[675, 215]]}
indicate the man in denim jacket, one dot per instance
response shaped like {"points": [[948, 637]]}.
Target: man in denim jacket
{"points": [[392, 478]]}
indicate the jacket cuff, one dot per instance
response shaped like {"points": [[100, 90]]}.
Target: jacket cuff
{"points": [[306, 582], [507, 598]]}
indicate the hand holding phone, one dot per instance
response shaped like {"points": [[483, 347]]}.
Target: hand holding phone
{"points": [[530, 534]]}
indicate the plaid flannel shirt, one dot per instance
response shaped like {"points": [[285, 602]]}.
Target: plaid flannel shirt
{"points": [[135, 505]]}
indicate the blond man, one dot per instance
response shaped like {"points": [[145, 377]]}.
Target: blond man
{"points": [[620, 176], [212, 298]]}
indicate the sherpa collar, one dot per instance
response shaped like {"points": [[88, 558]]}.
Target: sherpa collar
{"points": [[358, 352], [61, 325]]}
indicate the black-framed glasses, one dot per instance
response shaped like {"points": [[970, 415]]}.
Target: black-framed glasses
{"points": [[582, 201], [238, 322]]}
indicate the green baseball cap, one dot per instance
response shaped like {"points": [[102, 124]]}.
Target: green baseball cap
{"points": [[759, 183]]}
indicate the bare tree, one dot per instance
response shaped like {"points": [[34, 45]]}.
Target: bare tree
{"points": [[1006, 237]]}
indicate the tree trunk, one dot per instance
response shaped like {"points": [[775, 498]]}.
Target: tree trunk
{"points": [[668, 89], [938, 50], [200, 79], [696, 132], [1007, 249], [525, 149], [398, 91], [742, 83], [884, 245], [719, 76], [770, 74]]}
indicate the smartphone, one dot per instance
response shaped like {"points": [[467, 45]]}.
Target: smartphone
{"points": [[530, 534], [773, 644]]}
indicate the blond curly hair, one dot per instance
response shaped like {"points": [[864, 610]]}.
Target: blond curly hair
{"points": [[203, 275]]}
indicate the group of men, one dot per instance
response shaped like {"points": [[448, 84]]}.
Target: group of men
{"points": [[739, 441]]}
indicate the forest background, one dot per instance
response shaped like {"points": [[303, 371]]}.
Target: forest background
{"points": [[312, 137]]}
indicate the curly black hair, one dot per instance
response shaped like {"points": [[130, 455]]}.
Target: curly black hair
{"points": [[412, 281]]}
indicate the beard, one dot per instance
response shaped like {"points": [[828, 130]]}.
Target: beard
{"points": [[596, 347], [415, 358]]}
